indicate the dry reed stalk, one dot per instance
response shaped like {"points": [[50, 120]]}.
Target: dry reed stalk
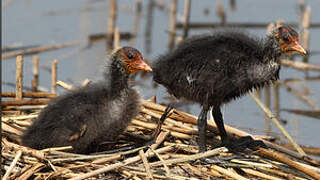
{"points": [[251, 164], [300, 65], [185, 147], [54, 77], [31, 171], [40, 49], [174, 130], [108, 159], [276, 98], [26, 167], [276, 122], [309, 150], [316, 169], [168, 173], [136, 22], [57, 149], [111, 21], [221, 12], [306, 39], [146, 164], [85, 82], [90, 157], [306, 25], [284, 159], [120, 164], [65, 85], [130, 175], [149, 24], [25, 150], [172, 26], [25, 102], [195, 172], [267, 100], [30, 94], [14, 125], [161, 137], [186, 19], [191, 157], [227, 172], [6, 127], [12, 165], [277, 172], [35, 71], [116, 38], [259, 174], [199, 172], [93, 38], [258, 93], [23, 122], [145, 174], [19, 77]]}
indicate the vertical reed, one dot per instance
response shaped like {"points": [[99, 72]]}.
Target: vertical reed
{"points": [[305, 32], [136, 22], [172, 26], [111, 23], [267, 95], [186, 19], [54, 77], [305, 35], [276, 99], [35, 71], [149, 24], [221, 13], [19, 77], [232, 5], [116, 38]]}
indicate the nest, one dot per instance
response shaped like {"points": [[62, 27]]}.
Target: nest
{"points": [[173, 155]]}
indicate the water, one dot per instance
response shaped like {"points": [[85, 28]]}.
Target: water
{"points": [[44, 22]]}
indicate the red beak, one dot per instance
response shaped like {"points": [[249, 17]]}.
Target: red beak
{"points": [[297, 47], [143, 66]]}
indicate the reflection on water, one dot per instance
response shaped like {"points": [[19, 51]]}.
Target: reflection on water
{"points": [[33, 23]]}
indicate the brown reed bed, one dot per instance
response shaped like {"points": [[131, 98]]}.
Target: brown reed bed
{"points": [[174, 154]]}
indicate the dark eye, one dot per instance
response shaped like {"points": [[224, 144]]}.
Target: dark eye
{"points": [[285, 38], [130, 56]]}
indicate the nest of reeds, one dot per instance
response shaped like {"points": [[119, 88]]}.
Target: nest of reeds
{"points": [[173, 155]]}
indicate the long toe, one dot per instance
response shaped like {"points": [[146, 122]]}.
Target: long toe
{"points": [[244, 142]]}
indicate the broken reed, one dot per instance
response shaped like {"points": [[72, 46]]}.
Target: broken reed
{"points": [[35, 71]]}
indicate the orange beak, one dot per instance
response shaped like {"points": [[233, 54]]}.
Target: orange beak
{"points": [[298, 48], [143, 66]]}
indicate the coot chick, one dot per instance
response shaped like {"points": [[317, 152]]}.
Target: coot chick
{"points": [[215, 69], [98, 113]]}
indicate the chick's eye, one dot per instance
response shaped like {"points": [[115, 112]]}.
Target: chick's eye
{"points": [[285, 38], [130, 56]]}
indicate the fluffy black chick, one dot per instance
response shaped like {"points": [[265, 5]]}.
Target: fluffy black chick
{"points": [[98, 113], [217, 68]]}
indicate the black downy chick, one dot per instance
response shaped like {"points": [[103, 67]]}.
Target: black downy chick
{"points": [[215, 69], [98, 113]]}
